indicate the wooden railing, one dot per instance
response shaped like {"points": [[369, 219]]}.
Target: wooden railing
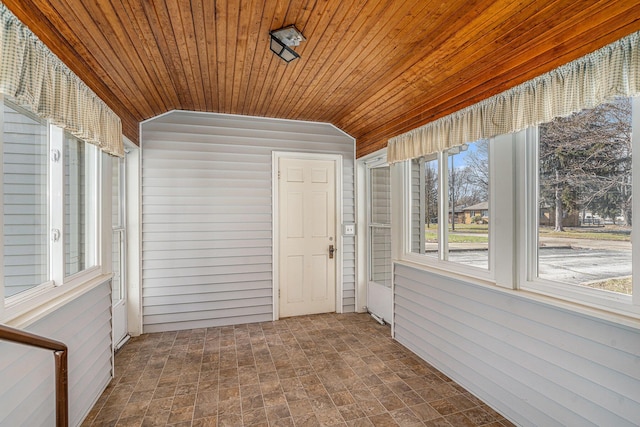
{"points": [[60, 355]]}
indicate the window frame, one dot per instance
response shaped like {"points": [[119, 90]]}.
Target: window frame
{"points": [[27, 306], [529, 188], [379, 162], [440, 263]]}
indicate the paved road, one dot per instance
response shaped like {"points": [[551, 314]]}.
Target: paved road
{"points": [[566, 264]]}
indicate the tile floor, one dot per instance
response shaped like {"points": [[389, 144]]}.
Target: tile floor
{"points": [[321, 370]]}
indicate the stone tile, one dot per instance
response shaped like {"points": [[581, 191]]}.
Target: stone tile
{"points": [[233, 406], [438, 422], [425, 412], [135, 409], [158, 418], [406, 417], [229, 420], [179, 414], [184, 400], [321, 370], [459, 420], [254, 417], [360, 422], [371, 407], [283, 422], [383, 420], [205, 422], [351, 412], [274, 398], [300, 407], [478, 416], [277, 412], [444, 406], [252, 402], [342, 398]]}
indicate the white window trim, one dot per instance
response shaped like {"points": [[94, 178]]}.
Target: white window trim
{"points": [[626, 305], [440, 264], [377, 162], [511, 237], [26, 307]]}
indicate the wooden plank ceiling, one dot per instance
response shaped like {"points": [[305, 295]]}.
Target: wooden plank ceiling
{"points": [[373, 68]]}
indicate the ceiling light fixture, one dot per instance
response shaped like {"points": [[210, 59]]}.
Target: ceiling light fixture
{"points": [[282, 39]]}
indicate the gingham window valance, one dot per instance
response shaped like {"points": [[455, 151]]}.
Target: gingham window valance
{"points": [[36, 79], [587, 82]]}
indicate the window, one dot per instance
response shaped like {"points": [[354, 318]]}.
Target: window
{"points": [[50, 206], [425, 211], [449, 211], [25, 181], [79, 205], [380, 225], [583, 202], [118, 227]]}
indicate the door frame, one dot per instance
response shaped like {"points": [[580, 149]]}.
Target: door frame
{"points": [[276, 156]]}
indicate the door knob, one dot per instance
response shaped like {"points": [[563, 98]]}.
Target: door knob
{"points": [[331, 251]]}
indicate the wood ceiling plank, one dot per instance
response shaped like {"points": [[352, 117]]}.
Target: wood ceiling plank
{"points": [[210, 36], [135, 21], [126, 51], [201, 66], [440, 30], [385, 58], [518, 65], [381, 14], [511, 55], [277, 70], [236, 43], [306, 17], [262, 76], [162, 28], [181, 24], [312, 22], [35, 18], [300, 86], [222, 46], [254, 28], [608, 32], [399, 63], [245, 48], [97, 41], [191, 53], [458, 66], [70, 37]]}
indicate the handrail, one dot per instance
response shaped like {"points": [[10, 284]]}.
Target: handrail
{"points": [[60, 355]]}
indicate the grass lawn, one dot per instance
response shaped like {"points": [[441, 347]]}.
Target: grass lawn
{"points": [[621, 285], [588, 233], [432, 236]]}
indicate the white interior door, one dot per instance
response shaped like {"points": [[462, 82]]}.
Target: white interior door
{"points": [[307, 234]]}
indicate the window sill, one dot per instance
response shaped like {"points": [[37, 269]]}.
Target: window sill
{"points": [[449, 269], [28, 311], [630, 320]]}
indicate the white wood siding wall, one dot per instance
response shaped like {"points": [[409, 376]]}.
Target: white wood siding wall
{"points": [[536, 364], [206, 215], [27, 387]]}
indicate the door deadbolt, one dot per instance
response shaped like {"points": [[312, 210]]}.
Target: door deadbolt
{"points": [[331, 251]]}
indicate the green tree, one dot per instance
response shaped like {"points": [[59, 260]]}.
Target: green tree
{"points": [[585, 162]]}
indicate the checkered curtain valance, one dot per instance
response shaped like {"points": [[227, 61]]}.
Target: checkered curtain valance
{"points": [[36, 79], [596, 78]]}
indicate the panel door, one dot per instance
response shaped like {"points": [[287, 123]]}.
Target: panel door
{"points": [[307, 228]]}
